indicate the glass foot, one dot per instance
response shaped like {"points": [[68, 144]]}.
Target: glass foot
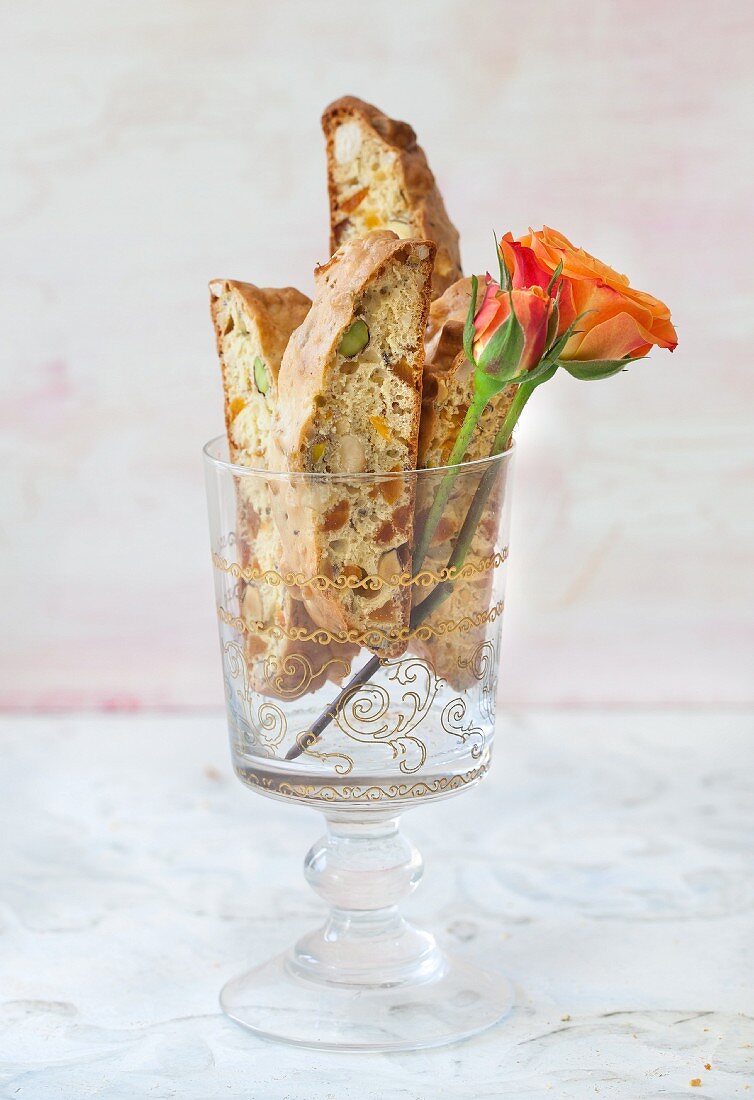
{"points": [[277, 1002], [368, 979]]}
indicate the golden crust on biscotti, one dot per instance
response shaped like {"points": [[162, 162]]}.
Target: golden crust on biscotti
{"points": [[356, 414], [253, 322], [379, 178], [448, 387]]}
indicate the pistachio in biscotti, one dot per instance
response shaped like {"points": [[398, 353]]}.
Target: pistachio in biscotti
{"points": [[261, 375], [354, 339]]}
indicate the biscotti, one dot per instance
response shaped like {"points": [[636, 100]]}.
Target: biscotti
{"points": [[448, 388], [253, 327], [378, 178], [350, 402]]}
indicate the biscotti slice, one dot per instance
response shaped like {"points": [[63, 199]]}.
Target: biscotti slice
{"points": [[350, 401], [448, 388], [253, 326], [378, 178]]}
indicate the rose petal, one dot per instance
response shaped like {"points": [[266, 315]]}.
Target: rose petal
{"points": [[613, 338], [489, 310], [533, 307], [522, 262]]}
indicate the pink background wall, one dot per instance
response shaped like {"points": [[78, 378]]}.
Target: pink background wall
{"points": [[154, 145]]}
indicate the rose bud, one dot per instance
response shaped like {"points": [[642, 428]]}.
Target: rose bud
{"points": [[533, 307]]}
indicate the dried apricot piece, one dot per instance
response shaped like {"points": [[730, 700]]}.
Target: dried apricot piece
{"points": [[403, 371], [391, 490], [385, 532], [381, 426], [336, 517], [349, 204]]}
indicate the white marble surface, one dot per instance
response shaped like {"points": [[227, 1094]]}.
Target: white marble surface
{"points": [[605, 865]]}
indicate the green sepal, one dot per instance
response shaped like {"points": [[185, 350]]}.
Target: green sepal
{"points": [[502, 353], [552, 325], [546, 374], [555, 276], [542, 373], [469, 332], [505, 278], [588, 370], [544, 369], [554, 351]]}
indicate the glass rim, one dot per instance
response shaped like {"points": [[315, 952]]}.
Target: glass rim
{"points": [[313, 475]]}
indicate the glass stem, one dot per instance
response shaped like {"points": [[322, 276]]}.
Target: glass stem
{"points": [[362, 868]]}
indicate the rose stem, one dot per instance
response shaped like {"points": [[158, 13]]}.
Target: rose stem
{"points": [[444, 489], [318, 727], [434, 599]]}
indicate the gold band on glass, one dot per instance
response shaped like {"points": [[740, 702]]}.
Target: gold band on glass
{"points": [[370, 583], [330, 793], [372, 638]]}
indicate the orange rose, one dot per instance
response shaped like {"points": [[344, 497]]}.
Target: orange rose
{"points": [[618, 321]]}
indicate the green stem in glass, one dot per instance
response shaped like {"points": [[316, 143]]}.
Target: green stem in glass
{"points": [[522, 395], [445, 488]]}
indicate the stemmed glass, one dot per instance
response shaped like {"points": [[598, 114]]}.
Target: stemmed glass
{"points": [[361, 725]]}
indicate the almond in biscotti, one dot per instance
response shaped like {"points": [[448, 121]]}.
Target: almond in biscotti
{"points": [[350, 401], [378, 178], [447, 392], [253, 326]]}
